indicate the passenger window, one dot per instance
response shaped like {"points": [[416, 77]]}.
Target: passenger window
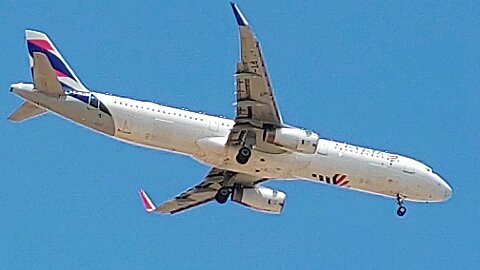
{"points": [[94, 101]]}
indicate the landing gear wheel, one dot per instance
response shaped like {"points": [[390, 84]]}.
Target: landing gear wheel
{"points": [[243, 155], [401, 211], [222, 195]]}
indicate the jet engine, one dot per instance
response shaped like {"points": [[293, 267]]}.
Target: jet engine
{"points": [[261, 199], [293, 139]]}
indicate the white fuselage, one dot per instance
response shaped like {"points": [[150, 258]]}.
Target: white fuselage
{"points": [[203, 137]]}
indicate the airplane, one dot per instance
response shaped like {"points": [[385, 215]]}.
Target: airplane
{"points": [[243, 153]]}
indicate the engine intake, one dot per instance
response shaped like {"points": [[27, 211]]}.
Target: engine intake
{"points": [[293, 139], [261, 199]]}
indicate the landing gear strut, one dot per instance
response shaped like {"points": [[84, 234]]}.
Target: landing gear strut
{"points": [[243, 155], [401, 209], [222, 195]]}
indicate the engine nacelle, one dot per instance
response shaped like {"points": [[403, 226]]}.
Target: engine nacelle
{"points": [[261, 199], [293, 139]]}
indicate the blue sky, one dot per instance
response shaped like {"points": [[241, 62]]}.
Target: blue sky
{"points": [[400, 76]]}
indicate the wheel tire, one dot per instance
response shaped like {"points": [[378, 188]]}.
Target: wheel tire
{"points": [[241, 159], [401, 211], [243, 155], [245, 151], [224, 192], [222, 195]]}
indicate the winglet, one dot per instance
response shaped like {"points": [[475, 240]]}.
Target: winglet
{"points": [[241, 21], [147, 203]]}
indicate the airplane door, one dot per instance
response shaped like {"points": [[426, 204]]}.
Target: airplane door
{"points": [[93, 103], [322, 148], [93, 113], [213, 126]]}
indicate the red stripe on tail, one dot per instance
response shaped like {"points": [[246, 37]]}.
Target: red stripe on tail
{"points": [[41, 43], [59, 73]]}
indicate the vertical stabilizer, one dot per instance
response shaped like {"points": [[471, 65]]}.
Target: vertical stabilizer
{"points": [[38, 42]]}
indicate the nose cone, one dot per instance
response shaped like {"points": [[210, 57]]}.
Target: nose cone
{"points": [[445, 189]]}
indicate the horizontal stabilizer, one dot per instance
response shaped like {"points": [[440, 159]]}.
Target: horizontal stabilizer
{"points": [[25, 111], [44, 77], [147, 203]]}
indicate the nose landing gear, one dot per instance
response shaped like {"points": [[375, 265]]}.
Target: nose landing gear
{"points": [[402, 210]]}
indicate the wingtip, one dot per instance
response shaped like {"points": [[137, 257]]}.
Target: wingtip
{"points": [[146, 201], [241, 21]]}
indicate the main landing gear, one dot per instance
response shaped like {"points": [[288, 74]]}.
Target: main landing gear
{"points": [[243, 155], [222, 195], [401, 209], [224, 192]]}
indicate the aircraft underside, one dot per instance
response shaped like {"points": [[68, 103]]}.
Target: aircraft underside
{"points": [[243, 153]]}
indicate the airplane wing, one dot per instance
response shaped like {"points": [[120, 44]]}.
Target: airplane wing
{"points": [[256, 108], [256, 105], [200, 194]]}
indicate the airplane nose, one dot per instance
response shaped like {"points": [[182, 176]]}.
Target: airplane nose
{"points": [[446, 188], [448, 191]]}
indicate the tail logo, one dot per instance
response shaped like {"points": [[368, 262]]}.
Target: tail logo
{"points": [[38, 42], [43, 46]]}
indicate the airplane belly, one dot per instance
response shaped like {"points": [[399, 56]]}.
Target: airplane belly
{"points": [[369, 176], [263, 165]]}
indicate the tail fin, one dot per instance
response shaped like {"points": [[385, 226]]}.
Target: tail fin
{"points": [[25, 111], [38, 42]]}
